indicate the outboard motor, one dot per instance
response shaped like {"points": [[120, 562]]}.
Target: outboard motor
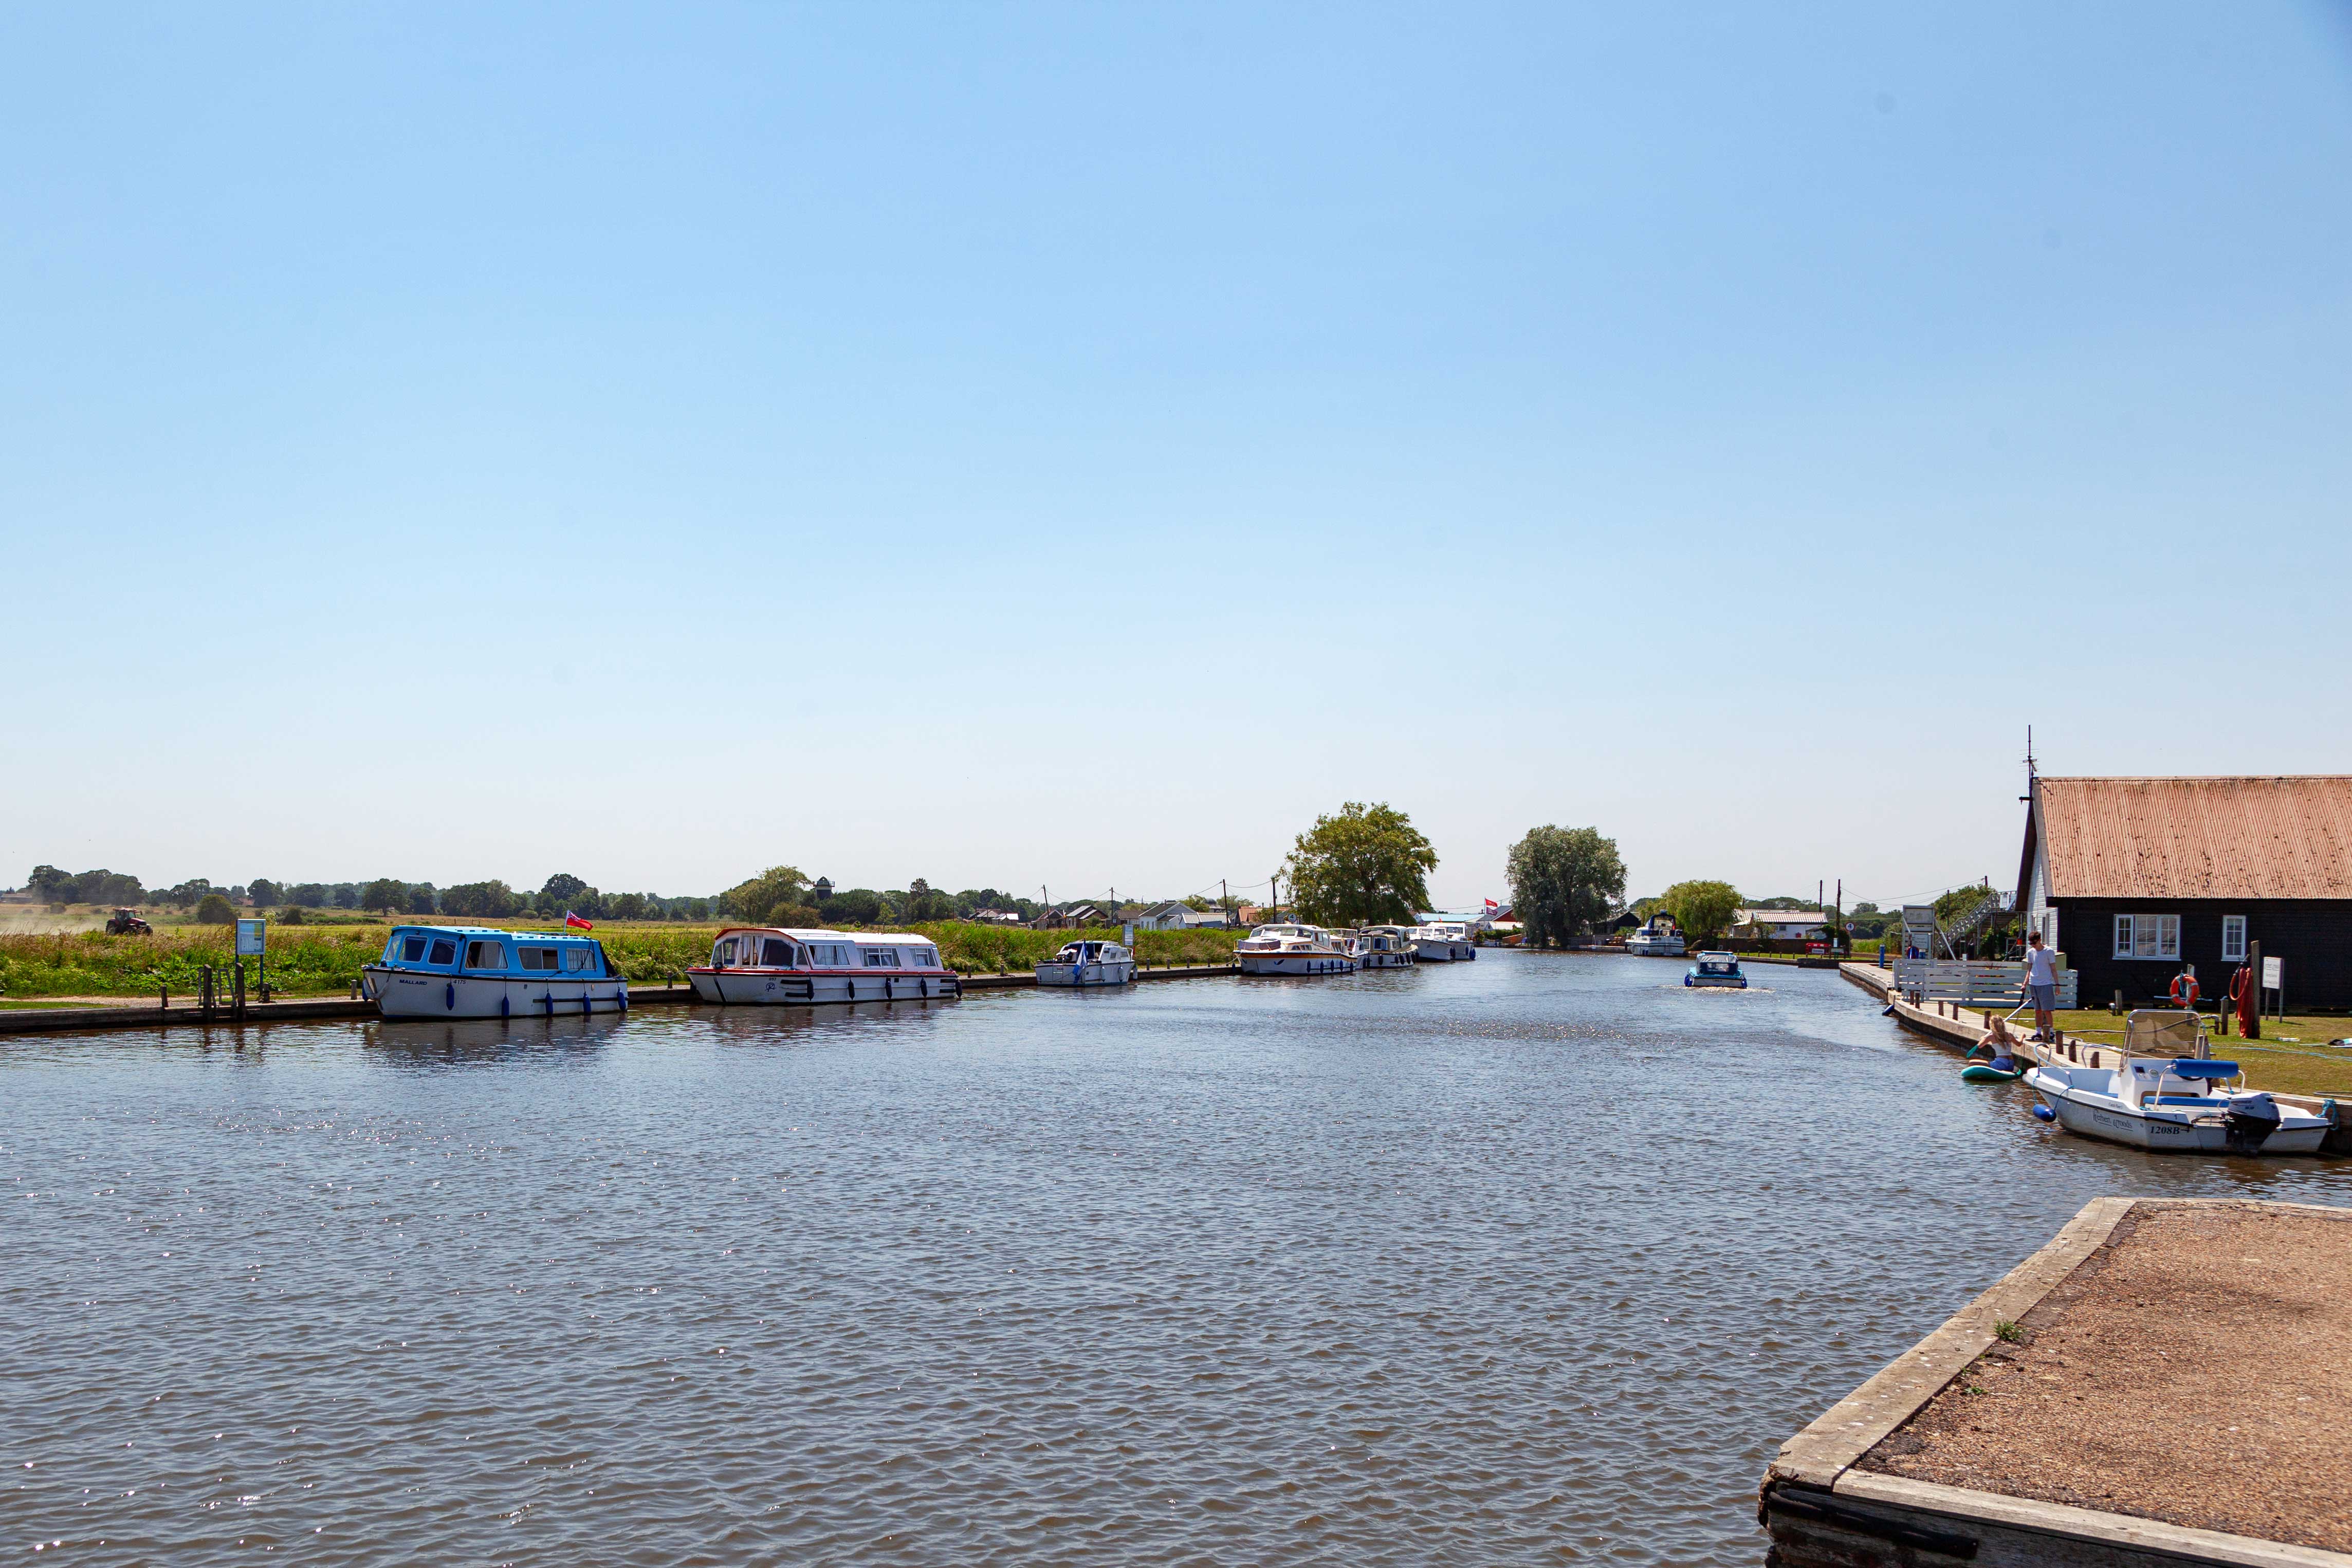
{"points": [[2252, 1118]]}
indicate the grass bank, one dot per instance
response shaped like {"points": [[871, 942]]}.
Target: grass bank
{"points": [[325, 960]]}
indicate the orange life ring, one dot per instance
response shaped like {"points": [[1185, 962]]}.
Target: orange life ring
{"points": [[2184, 989]]}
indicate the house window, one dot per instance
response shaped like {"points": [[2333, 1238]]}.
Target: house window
{"points": [[2234, 938], [2147, 936]]}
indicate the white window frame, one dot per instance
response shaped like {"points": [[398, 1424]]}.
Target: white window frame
{"points": [[2233, 925], [2163, 941]]}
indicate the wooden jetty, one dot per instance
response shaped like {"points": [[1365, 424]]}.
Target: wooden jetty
{"points": [[2162, 1384], [54, 1020]]}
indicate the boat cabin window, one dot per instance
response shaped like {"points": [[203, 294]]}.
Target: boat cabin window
{"points": [[539, 957], [412, 951], [445, 951], [881, 957], [577, 959], [486, 954], [929, 957], [722, 953], [776, 952]]}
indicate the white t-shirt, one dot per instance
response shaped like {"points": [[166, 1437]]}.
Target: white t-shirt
{"points": [[2040, 966]]}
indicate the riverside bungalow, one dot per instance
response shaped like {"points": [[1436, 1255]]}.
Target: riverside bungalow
{"points": [[2131, 878], [1781, 924]]}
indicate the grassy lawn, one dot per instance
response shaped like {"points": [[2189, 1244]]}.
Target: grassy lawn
{"points": [[2293, 1056]]}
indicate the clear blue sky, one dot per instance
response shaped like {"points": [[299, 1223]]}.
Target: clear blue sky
{"points": [[1077, 445]]}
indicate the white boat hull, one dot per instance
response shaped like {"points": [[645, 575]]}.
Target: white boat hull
{"points": [[1295, 963], [1080, 975], [410, 994], [785, 988], [1655, 949], [1437, 950], [2102, 1116]]}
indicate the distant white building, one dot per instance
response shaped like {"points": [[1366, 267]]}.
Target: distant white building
{"points": [[1781, 924], [1168, 916]]}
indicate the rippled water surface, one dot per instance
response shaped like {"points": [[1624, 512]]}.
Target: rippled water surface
{"points": [[1533, 1259]]}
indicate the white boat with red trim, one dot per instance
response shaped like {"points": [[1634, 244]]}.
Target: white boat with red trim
{"points": [[1287, 949], [754, 966]]}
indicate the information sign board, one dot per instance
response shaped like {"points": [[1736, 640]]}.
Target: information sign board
{"points": [[250, 935], [2273, 972]]}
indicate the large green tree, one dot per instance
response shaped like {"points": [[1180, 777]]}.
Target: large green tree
{"points": [[1366, 865], [764, 898], [1562, 881], [1701, 909], [384, 894]]}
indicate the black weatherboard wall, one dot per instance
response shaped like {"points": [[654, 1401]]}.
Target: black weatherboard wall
{"points": [[2313, 936]]}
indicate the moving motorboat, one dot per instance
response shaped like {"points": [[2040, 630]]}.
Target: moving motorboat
{"points": [[773, 964], [474, 972], [2165, 1092], [1655, 940], [1088, 963], [1443, 942], [1385, 946], [1291, 949], [1717, 969]]}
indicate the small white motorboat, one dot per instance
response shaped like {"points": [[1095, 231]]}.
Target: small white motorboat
{"points": [[1443, 943], [1655, 941], [1385, 946], [1088, 963], [1287, 949], [1720, 970], [2176, 1102]]}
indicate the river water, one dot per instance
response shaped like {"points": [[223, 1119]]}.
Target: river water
{"points": [[1534, 1259]]}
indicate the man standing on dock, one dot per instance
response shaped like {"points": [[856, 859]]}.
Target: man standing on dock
{"points": [[2042, 988]]}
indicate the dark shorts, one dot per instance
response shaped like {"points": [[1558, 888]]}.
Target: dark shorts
{"points": [[2043, 997]]}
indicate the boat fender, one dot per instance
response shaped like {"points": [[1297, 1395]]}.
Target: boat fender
{"points": [[450, 996], [505, 1007], [2044, 1114]]}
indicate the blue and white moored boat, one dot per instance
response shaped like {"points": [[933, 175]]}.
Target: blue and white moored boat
{"points": [[473, 972], [1088, 963], [2181, 1102], [1717, 969]]}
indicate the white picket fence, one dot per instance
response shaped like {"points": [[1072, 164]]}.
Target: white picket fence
{"points": [[1973, 981]]}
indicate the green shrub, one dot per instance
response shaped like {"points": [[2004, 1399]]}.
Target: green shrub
{"points": [[216, 911]]}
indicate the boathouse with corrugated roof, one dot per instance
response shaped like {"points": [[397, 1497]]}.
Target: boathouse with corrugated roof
{"points": [[2131, 878]]}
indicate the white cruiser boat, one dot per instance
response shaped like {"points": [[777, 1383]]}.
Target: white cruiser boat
{"points": [[1443, 943], [2181, 1102], [1385, 946], [755, 965], [1292, 950], [1653, 941], [1088, 963], [473, 972]]}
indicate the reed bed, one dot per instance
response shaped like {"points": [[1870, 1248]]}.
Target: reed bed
{"points": [[315, 960]]}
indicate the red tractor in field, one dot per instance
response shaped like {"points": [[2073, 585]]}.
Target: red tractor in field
{"points": [[126, 922]]}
